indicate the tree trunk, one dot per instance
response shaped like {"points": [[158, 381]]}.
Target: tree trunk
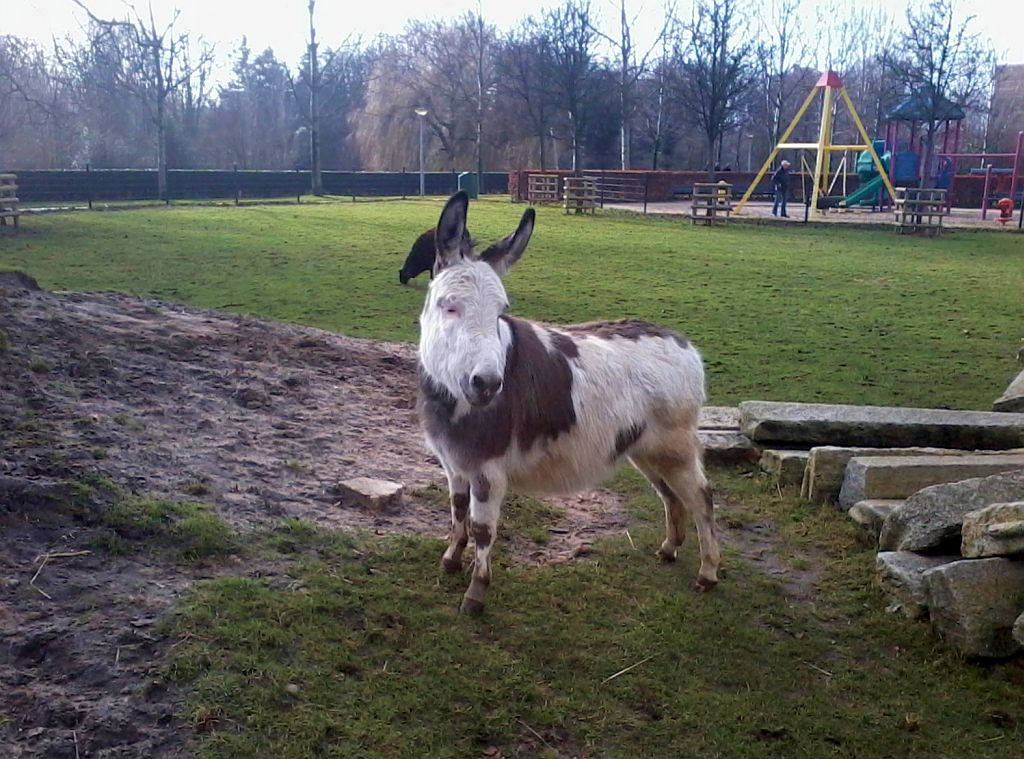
{"points": [[316, 183], [624, 130], [161, 153]]}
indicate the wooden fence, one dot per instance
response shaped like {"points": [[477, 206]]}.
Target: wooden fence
{"points": [[106, 185]]}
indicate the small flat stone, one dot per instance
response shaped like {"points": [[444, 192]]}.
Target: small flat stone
{"points": [[370, 494], [1018, 630]]}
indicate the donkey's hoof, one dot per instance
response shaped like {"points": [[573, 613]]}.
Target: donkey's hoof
{"points": [[668, 555], [472, 607], [451, 566], [704, 584]]}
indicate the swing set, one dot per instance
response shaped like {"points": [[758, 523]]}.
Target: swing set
{"points": [[829, 85]]}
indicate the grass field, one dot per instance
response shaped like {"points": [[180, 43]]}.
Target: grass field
{"points": [[351, 645], [782, 313]]}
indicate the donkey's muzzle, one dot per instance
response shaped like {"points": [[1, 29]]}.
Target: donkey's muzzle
{"points": [[481, 388]]}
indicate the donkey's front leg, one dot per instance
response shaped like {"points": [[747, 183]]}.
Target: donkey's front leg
{"points": [[487, 491], [458, 490]]}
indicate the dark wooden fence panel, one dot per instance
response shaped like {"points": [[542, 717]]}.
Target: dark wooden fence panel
{"points": [[104, 185]]}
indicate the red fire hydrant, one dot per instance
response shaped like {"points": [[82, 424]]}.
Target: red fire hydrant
{"points": [[1005, 206]]}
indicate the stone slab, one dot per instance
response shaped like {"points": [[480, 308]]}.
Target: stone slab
{"points": [[902, 476], [1018, 630], [974, 604], [823, 477], [932, 517], [370, 494], [721, 447], [996, 530], [719, 418], [871, 515], [1012, 400], [901, 573], [811, 424], [786, 467]]}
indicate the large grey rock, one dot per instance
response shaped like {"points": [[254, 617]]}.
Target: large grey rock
{"points": [[721, 447], [786, 467], [871, 515], [902, 476], [813, 424], [973, 605], [823, 476], [1018, 629], [996, 530], [901, 573], [1013, 399], [932, 517]]}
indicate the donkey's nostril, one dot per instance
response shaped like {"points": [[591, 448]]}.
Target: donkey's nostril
{"points": [[486, 384]]}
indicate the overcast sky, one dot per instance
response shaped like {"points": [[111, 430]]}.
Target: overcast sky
{"points": [[283, 25]]}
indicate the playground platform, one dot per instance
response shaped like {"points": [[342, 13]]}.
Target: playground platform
{"points": [[761, 213]]}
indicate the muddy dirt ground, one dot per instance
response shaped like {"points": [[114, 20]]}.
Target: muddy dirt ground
{"points": [[260, 420]]}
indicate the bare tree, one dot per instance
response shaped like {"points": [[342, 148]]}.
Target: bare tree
{"points": [[35, 108], [631, 64], [782, 50], [942, 65], [151, 62], [524, 59], [570, 34], [716, 71]]}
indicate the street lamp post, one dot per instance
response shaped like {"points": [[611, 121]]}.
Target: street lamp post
{"points": [[750, 146], [422, 113]]}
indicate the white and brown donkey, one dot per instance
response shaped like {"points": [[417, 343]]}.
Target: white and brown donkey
{"points": [[509, 403]]}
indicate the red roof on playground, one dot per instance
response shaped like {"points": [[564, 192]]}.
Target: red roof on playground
{"points": [[829, 79]]}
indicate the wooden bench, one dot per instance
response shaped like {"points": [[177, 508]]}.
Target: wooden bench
{"points": [[580, 194], [919, 209], [712, 203], [542, 188], [9, 199]]}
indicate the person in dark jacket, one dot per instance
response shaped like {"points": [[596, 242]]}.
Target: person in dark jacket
{"points": [[780, 183]]}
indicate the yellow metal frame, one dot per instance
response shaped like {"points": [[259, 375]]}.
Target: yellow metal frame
{"points": [[824, 146]]}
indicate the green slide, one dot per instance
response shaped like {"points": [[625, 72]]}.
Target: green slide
{"points": [[866, 192]]}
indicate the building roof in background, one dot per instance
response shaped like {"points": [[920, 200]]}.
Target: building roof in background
{"points": [[918, 107]]}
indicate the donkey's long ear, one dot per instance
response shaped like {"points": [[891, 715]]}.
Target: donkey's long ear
{"points": [[503, 255], [450, 237]]}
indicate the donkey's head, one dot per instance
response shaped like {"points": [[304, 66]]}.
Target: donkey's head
{"points": [[463, 341]]}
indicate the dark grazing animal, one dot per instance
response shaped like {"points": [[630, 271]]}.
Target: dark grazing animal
{"points": [[508, 403], [420, 258]]}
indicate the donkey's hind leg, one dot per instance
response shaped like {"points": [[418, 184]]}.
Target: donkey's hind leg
{"points": [[675, 525], [680, 473]]}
